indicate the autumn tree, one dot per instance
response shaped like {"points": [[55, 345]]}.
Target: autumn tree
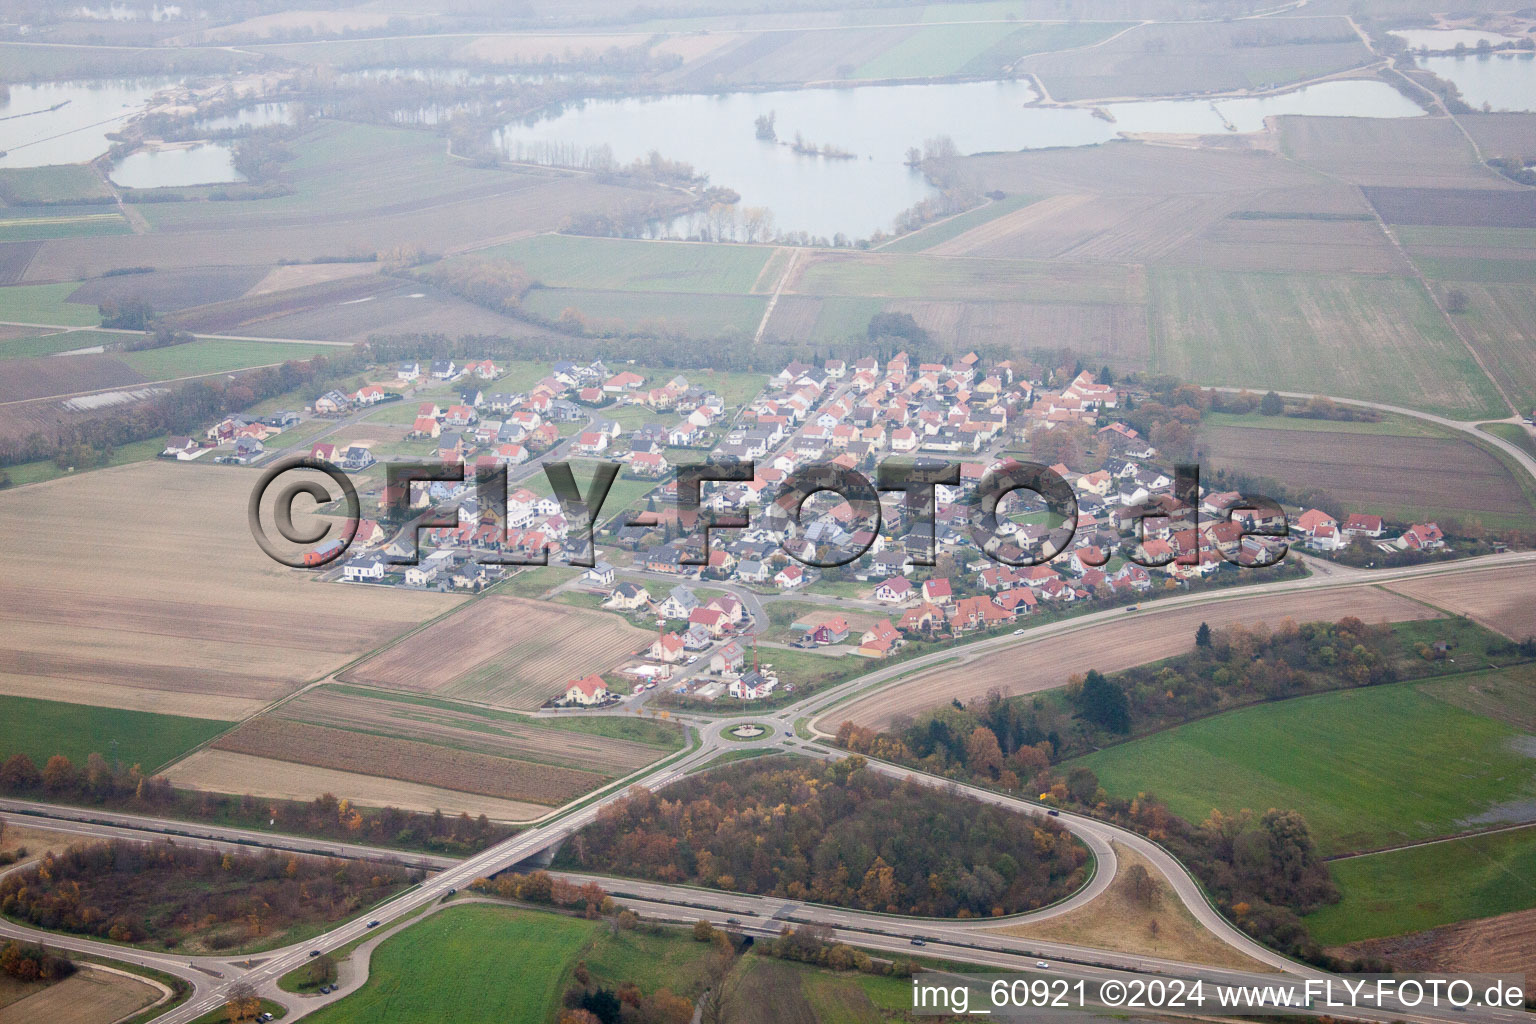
{"points": [[243, 1003]]}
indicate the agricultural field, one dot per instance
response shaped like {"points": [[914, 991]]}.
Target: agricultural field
{"points": [[46, 304], [896, 276], [209, 355], [659, 312], [39, 222], [1094, 228], [621, 264], [976, 48], [89, 996], [56, 185], [15, 257], [1295, 243], [405, 980], [1453, 207], [447, 745], [170, 290], [1388, 153], [1103, 333], [1164, 59], [169, 606], [1367, 768], [42, 728], [1496, 598], [53, 343], [226, 771], [1423, 887], [929, 237], [427, 764], [1376, 338], [504, 651], [1500, 322], [1406, 479], [1149, 635]]}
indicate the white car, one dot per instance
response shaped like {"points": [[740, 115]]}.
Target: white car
{"points": [[1018, 632], [1042, 965]]}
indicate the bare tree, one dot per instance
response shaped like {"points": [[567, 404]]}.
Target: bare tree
{"points": [[724, 979]]}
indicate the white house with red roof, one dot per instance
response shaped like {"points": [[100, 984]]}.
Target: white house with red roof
{"points": [[586, 692], [1422, 537]]}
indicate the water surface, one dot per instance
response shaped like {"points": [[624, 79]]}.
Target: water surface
{"points": [[1502, 81], [208, 163]]}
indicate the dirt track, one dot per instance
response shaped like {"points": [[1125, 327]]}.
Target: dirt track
{"points": [[1137, 639]]}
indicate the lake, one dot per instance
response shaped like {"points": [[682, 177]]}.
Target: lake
{"points": [[258, 115], [860, 196], [76, 131], [206, 163], [1504, 81]]}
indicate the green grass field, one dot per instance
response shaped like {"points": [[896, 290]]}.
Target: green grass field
{"points": [[1470, 268], [1500, 322], [42, 728], [1422, 887], [474, 964], [214, 356], [1367, 768], [45, 344], [1514, 433], [59, 183], [1389, 425], [47, 469], [1352, 336], [44, 304], [46, 223], [622, 264], [1495, 238], [928, 237], [684, 313]]}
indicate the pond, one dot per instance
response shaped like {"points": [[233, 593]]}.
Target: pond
{"points": [[1503, 81], [68, 122], [825, 196], [207, 163], [259, 115]]}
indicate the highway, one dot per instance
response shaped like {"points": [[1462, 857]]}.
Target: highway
{"points": [[212, 977]]}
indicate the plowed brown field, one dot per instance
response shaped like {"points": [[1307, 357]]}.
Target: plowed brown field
{"points": [[504, 651]]}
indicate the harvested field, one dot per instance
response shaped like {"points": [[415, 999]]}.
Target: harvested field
{"points": [[170, 606], [1293, 245], [1116, 334], [1137, 168], [1121, 920], [1505, 944], [1201, 56], [1111, 646], [1352, 336], [1086, 227], [48, 376], [465, 727], [427, 764], [410, 309], [1497, 598], [300, 275], [1455, 207], [1502, 135], [1400, 477], [504, 651], [228, 317], [221, 771], [168, 291], [14, 257], [1388, 152], [89, 996], [623, 264]]}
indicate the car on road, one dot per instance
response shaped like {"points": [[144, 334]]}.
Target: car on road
{"points": [[373, 924], [1042, 965], [314, 952], [1133, 607], [1054, 814], [1018, 632], [919, 942], [732, 921], [650, 685]]}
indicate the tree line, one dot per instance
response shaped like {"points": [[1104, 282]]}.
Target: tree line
{"points": [[167, 893], [100, 783]]}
